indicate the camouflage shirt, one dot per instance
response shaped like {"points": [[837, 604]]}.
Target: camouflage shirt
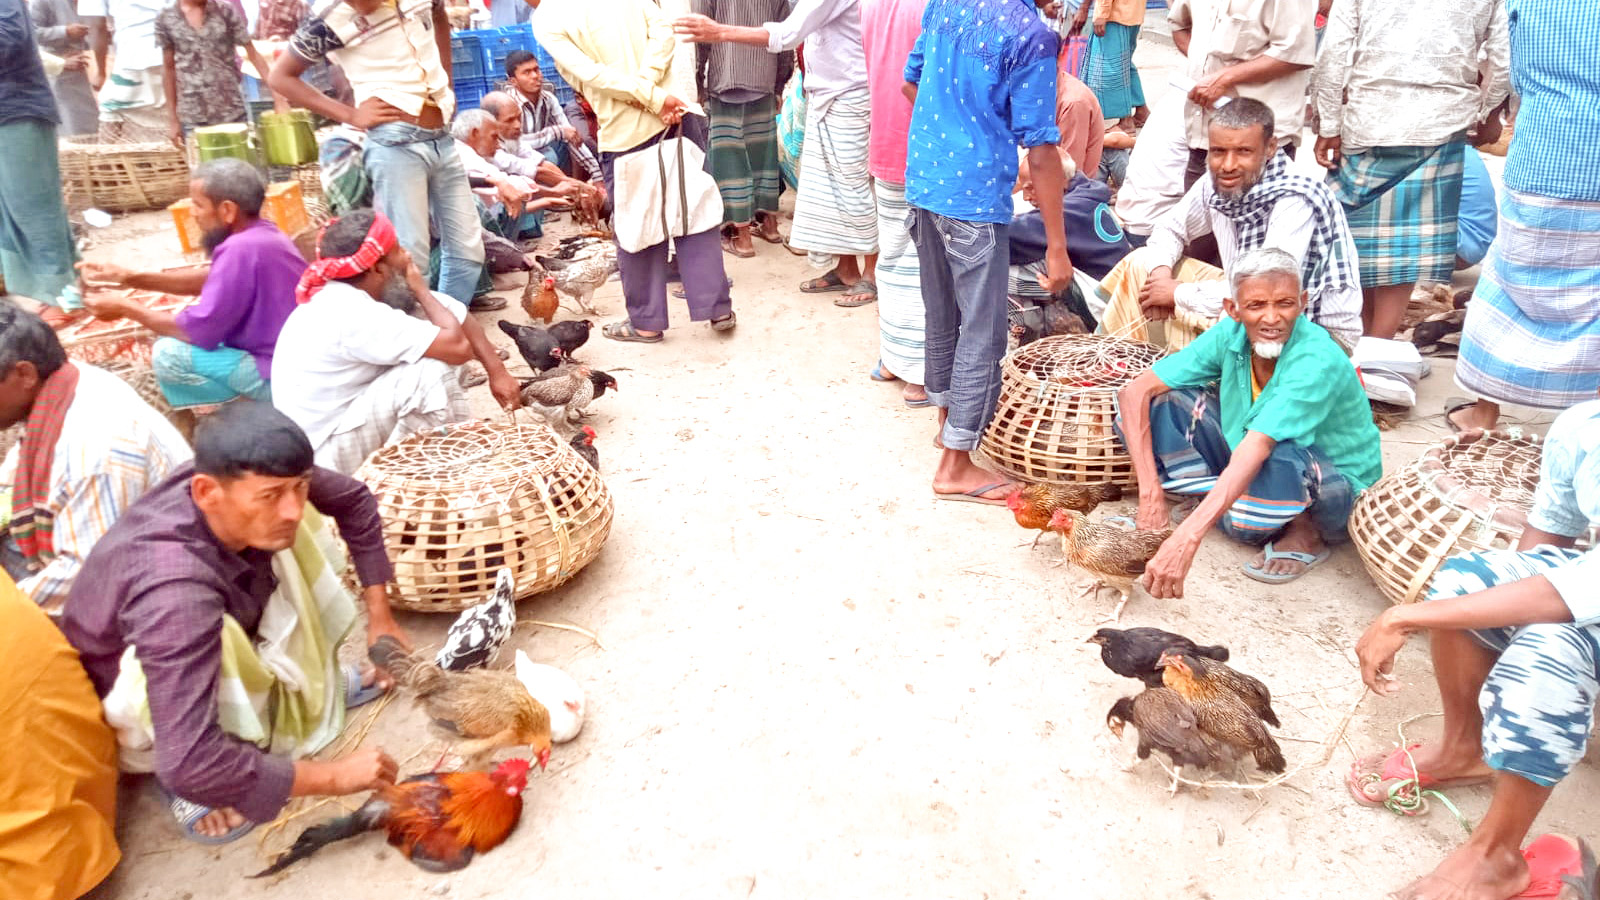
{"points": [[207, 66]]}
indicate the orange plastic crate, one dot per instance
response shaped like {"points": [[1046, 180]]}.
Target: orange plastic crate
{"points": [[183, 219], [286, 207]]}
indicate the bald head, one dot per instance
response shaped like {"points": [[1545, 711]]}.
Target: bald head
{"points": [[497, 101], [506, 112]]}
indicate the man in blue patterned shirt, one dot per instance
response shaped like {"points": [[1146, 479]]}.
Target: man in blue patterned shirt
{"points": [[1515, 636], [991, 87]]}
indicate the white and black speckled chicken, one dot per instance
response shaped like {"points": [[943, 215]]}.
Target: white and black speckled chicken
{"points": [[476, 635], [583, 274], [563, 398]]}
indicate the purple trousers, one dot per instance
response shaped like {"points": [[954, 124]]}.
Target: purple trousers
{"points": [[699, 260]]}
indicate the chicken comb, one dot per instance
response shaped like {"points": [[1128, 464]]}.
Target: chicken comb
{"points": [[514, 770]]}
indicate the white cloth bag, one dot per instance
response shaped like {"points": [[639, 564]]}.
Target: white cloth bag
{"points": [[664, 192]]}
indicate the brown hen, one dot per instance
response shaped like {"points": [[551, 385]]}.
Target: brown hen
{"points": [[1221, 714], [543, 303], [1034, 504], [1114, 556], [1166, 722]]}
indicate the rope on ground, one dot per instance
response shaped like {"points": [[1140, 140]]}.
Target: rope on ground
{"points": [[564, 627], [1407, 797]]}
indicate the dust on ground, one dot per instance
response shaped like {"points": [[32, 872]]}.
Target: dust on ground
{"points": [[819, 682]]}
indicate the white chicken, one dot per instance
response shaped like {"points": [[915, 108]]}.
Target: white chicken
{"points": [[583, 274], [476, 635], [558, 692]]}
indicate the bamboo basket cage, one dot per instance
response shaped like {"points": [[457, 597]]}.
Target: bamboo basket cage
{"points": [[1471, 492], [1058, 403], [460, 502], [122, 177]]}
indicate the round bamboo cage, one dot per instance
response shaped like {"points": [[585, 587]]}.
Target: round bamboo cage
{"points": [[1058, 403], [1471, 492], [461, 502], [122, 177]]}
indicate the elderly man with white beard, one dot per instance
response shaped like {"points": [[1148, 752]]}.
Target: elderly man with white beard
{"points": [[1264, 418]]}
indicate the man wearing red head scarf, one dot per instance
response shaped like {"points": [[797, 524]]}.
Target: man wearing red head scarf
{"points": [[352, 368]]}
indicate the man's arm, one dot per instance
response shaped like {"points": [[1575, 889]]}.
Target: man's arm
{"points": [[169, 87], [353, 508], [1496, 69], [1133, 402], [1188, 220], [806, 17], [1050, 182], [99, 44], [1260, 70], [187, 281], [505, 388], [50, 36], [310, 44], [441, 39], [162, 323], [451, 345], [1165, 574], [1329, 79], [1180, 20]]}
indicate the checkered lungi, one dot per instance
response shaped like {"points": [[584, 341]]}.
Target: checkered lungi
{"points": [[190, 376], [1402, 204], [744, 157], [407, 399], [1538, 701]]}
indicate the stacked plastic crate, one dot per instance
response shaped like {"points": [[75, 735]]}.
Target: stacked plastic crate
{"points": [[467, 72], [489, 48]]}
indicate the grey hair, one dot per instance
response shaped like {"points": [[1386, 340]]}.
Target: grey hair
{"points": [[25, 336], [232, 179], [1264, 261], [1244, 112], [496, 102], [468, 121]]}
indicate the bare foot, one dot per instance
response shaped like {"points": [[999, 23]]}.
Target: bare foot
{"points": [[741, 239], [1442, 761], [914, 393], [1301, 536], [958, 474], [767, 223], [219, 822], [1474, 871], [938, 434]]}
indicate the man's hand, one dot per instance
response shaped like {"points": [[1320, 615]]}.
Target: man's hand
{"points": [[104, 273], [1328, 151], [672, 110], [698, 29], [1099, 29], [506, 390], [1489, 130], [1080, 18], [175, 134], [1212, 88], [97, 80], [909, 91], [1057, 277], [77, 31], [510, 194], [1153, 513], [374, 112], [1376, 651], [363, 770], [1158, 297], [106, 308], [75, 62], [1165, 574], [571, 134]]}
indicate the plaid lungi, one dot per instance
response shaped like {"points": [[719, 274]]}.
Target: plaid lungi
{"points": [[408, 399], [191, 376], [900, 311], [1108, 70], [744, 157], [1402, 204], [1532, 334], [835, 211]]}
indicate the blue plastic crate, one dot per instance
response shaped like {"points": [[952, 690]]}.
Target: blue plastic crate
{"points": [[501, 43], [466, 55], [470, 91]]}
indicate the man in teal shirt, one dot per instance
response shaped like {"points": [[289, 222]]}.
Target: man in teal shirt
{"points": [[1265, 417]]}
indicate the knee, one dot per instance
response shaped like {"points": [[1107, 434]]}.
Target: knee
{"points": [[168, 358], [1538, 703]]}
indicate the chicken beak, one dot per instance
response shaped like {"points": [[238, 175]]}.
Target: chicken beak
{"points": [[544, 758]]}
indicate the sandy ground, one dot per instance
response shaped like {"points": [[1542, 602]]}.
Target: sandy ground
{"points": [[818, 682]]}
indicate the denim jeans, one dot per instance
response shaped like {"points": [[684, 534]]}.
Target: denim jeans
{"points": [[417, 177], [964, 267]]}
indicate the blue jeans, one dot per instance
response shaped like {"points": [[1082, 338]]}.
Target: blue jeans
{"points": [[417, 177], [964, 267]]}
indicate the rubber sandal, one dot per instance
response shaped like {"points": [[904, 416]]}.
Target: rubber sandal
{"points": [[826, 284], [1311, 562], [1389, 779], [976, 495], [358, 694], [774, 238], [877, 373], [624, 331], [732, 249], [1452, 406], [861, 293], [924, 403], [726, 323], [188, 814], [1560, 866]]}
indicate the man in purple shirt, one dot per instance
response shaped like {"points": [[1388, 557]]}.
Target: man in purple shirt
{"points": [[220, 348], [188, 562]]}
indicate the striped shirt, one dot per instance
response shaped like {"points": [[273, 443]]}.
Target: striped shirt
{"points": [[113, 448], [1555, 69], [740, 73]]}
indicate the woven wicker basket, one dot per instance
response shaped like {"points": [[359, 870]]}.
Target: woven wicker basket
{"points": [[119, 177], [460, 503], [1471, 492], [1058, 401]]}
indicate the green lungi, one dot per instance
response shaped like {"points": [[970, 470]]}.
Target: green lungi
{"points": [[744, 157], [36, 247]]}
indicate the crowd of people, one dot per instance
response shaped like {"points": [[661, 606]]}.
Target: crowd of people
{"points": [[947, 165]]}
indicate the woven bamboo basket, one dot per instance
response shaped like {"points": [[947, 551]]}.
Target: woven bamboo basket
{"points": [[1058, 402], [461, 502], [122, 177], [1471, 492]]}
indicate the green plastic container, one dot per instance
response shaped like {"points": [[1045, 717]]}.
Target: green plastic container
{"points": [[288, 138], [218, 141]]}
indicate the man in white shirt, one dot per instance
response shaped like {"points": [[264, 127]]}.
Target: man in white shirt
{"points": [[1263, 50], [1248, 199], [132, 101], [521, 199], [356, 373]]}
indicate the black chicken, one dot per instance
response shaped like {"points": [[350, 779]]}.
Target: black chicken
{"points": [[539, 348], [571, 335], [1135, 652], [1166, 722]]}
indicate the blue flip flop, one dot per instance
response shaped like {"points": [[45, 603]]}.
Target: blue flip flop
{"points": [[188, 814], [877, 373], [1269, 554], [355, 693]]}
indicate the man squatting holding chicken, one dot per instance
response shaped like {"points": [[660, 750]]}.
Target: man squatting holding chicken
{"points": [[1265, 418], [208, 618]]}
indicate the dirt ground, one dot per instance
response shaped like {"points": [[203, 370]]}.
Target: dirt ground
{"points": [[818, 682]]}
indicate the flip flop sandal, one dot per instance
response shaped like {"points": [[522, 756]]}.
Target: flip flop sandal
{"points": [[924, 403], [188, 814], [624, 331], [358, 694], [791, 248], [1560, 867], [861, 293], [732, 249], [877, 373], [726, 323], [1259, 574], [976, 495], [1389, 779], [827, 284]]}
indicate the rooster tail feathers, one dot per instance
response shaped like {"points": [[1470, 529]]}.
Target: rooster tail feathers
{"points": [[318, 836], [411, 670], [1269, 756]]}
